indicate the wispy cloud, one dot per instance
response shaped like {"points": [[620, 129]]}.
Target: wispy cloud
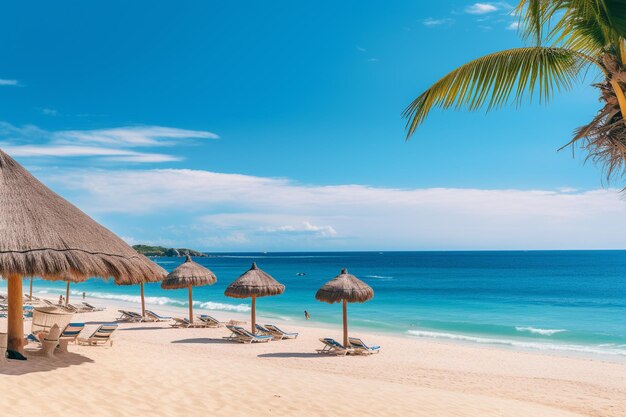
{"points": [[49, 112], [513, 26], [4, 81], [360, 49], [259, 213], [481, 8], [437, 22], [107, 144]]}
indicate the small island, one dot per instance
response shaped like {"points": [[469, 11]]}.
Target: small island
{"points": [[148, 250]]}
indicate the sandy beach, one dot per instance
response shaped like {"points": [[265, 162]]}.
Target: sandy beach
{"points": [[153, 369]]}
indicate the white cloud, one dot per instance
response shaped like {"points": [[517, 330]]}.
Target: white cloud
{"points": [[7, 82], [481, 8], [230, 211], [436, 22], [49, 112], [360, 49], [106, 144], [513, 26]]}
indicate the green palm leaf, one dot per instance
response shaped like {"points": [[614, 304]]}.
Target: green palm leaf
{"points": [[496, 79]]}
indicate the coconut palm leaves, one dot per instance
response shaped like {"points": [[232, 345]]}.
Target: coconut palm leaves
{"points": [[567, 38]]}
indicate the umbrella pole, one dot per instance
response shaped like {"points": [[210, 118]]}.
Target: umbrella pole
{"points": [[15, 327], [253, 314], [345, 323], [67, 293], [190, 306], [30, 294], [143, 302]]}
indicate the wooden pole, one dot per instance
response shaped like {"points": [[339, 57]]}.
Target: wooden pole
{"points": [[15, 325], [253, 314], [345, 323], [30, 293], [143, 302], [67, 293], [190, 305]]}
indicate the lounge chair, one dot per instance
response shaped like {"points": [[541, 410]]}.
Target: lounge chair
{"points": [[100, 336], [154, 316], [91, 308], [130, 316], [49, 303], [70, 334], [241, 335], [361, 348], [280, 334], [210, 321], [185, 323], [333, 347]]}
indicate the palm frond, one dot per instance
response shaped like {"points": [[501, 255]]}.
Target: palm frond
{"points": [[496, 79]]}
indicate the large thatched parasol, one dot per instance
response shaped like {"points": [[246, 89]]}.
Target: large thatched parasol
{"points": [[254, 283], [345, 288], [42, 234], [189, 274]]}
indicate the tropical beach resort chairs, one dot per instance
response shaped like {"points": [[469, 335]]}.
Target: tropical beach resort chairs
{"points": [[185, 323], [55, 338], [70, 334], [361, 348], [333, 347], [152, 316], [275, 332], [101, 336], [129, 316], [210, 321], [241, 335]]}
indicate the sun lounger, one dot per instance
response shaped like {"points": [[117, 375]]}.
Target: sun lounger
{"points": [[100, 336], [280, 334], [130, 316], [49, 303], [241, 335], [70, 334], [210, 321], [89, 307], [361, 348], [154, 316], [332, 347], [185, 323]]}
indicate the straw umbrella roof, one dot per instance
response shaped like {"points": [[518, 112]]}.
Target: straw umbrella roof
{"points": [[44, 235], [188, 274], [345, 287], [254, 283]]}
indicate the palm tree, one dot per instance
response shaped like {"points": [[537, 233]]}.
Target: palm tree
{"points": [[566, 39]]}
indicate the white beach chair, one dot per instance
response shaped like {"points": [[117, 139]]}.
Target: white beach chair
{"points": [[50, 341], [280, 334], [101, 336], [361, 348], [210, 321], [129, 316], [155, 317], [241, 335], [70, 334], [332, 347]]}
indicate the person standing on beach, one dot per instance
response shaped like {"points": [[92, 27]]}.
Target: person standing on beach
{"points": [[306, 315], [83, 295], [60, 299]]}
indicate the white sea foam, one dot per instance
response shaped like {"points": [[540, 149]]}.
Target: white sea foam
{"points": [[379, 277], [606, 349], [160, 301], [542, 332]]}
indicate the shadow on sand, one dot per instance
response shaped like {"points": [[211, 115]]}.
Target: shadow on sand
{"points": [[291, 355], [36, 363], [142, 328], [202, 340]]}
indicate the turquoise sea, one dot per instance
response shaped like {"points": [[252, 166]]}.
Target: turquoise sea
{"points": [[551, 300]]}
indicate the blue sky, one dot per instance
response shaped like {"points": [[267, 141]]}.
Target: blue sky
{"points": [[200, 123]]}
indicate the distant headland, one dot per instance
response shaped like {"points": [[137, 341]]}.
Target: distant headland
{"points": [[162, 251]]}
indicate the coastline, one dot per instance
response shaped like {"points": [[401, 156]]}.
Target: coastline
{"points": [[149, 362]]}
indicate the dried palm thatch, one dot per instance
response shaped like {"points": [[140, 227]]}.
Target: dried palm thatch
{"points": [[254, 283], [188, 274], [42, 234], [345, 287]]}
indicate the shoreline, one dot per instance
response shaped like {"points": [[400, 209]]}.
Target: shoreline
{"points": [[409, 377]]}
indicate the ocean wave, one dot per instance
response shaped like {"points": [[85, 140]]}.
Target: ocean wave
{"points": [[605, 349], [160, 301], [542, 332], [383, 277]]}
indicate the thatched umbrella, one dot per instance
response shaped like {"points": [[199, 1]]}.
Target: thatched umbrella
{"points": [[44, 235], [189, 274], [254, 283], [345, 288]]}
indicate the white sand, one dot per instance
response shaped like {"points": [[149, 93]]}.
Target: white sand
{"points": [[154, 370]]}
